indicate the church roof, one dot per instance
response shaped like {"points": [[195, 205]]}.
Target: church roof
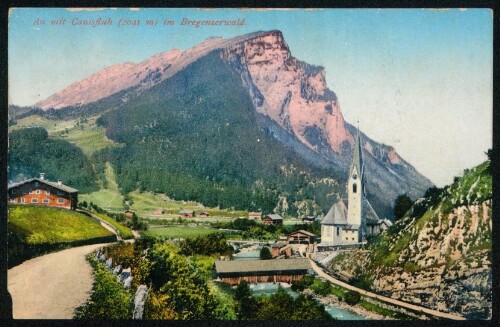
{"points": [[357, 157], [337, 215], [371, 216], [352, 227]]}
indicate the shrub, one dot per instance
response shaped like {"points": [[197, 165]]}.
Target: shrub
{"points": [[265, 253], [352, 297]]}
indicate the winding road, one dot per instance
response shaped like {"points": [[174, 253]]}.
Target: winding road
{"points": [[53, 285], [417, 308]]}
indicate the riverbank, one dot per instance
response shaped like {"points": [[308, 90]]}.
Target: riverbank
{"points": [[333, 301]]}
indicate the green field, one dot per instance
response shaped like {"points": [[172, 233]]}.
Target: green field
{"points": [[108, 198], [145, 203], [84, 133], [125, 232], [179, 231], [51, 225]]}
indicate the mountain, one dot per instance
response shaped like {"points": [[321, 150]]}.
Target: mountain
{"points": [[287, 99], [439, 254]]}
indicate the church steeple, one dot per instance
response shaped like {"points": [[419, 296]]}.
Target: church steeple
{"points": [[357, 165]]}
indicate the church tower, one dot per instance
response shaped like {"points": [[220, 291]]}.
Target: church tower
{"points": [[355, 187]]}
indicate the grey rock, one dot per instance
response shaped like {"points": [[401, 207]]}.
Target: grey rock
{"points": [[139, 301], [117, 270], [128, 282], [109, 263]]}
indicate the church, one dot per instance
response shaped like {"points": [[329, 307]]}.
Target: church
{"points": [[349, 221]]}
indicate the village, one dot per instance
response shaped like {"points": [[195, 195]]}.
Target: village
{"points": [[282, 261]]}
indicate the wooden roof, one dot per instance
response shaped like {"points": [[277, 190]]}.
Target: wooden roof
{"points": [[234, 266], [56, 185]]}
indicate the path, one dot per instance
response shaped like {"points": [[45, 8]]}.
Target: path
{"points": [[53, 285], [383, 298]]}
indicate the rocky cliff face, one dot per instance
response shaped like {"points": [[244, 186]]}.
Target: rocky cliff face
{"points": [[439, 255], [290, 95]]}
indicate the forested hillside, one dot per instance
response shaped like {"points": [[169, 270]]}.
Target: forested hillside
{"points": [[31, 152], [196, 136]]}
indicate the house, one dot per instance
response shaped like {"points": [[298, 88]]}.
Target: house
{"points": [[254, 215], [129, 213], [308, 220], [41, 191], [301, 237], [279, 249], [187, 213], [262, 271], [204, 214], [273, 219], [159, 212]]}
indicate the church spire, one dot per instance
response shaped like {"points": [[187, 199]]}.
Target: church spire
{"points": [[357, 157]]}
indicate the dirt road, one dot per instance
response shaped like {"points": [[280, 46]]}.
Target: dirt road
{"points": [[53, 285], [436, 313]]}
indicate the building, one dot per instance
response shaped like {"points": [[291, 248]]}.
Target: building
{"points": [[273, 219], [281, 249], [349, 221], [204, 214], [187, 213], [41, 191], [301, 237], [128, 213], [254, 215], [262, 271], [308, 220]]}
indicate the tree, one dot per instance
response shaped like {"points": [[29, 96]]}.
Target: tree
{"points": [[352, 297], [244, 302], [265, 253], [402, 204]]}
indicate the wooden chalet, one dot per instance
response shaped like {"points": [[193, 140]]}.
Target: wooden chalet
{"points": [[254, 215], [187, 213], [40, 191], [262, 271], [273, 219], [301, 237]]}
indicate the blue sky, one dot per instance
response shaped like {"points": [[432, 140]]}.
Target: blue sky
{"points": [[417, 79]]}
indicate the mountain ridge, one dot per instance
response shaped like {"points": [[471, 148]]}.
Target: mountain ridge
{"points": [[292, 95]]}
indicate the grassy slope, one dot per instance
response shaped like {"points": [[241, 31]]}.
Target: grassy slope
{"points": [[108, 198], [52, 225], [179, 231], [125, 232], [89, 137]]}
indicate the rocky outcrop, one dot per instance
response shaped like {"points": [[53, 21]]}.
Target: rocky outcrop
{"points": [[139, 301], [440, 258]]}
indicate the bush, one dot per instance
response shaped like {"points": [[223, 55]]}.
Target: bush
{"points": [[322, 288], [265, 253], [352, 297]]}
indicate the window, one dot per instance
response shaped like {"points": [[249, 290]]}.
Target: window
{"points": [[353, 238], [60, 201], [47, 192], [13, 200], [38, 192], [60, 193], [45, 200], [31, 192], [34, 200], [338, 231], [23, 200], [354, 188], [36, 183], [13, 191]]}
